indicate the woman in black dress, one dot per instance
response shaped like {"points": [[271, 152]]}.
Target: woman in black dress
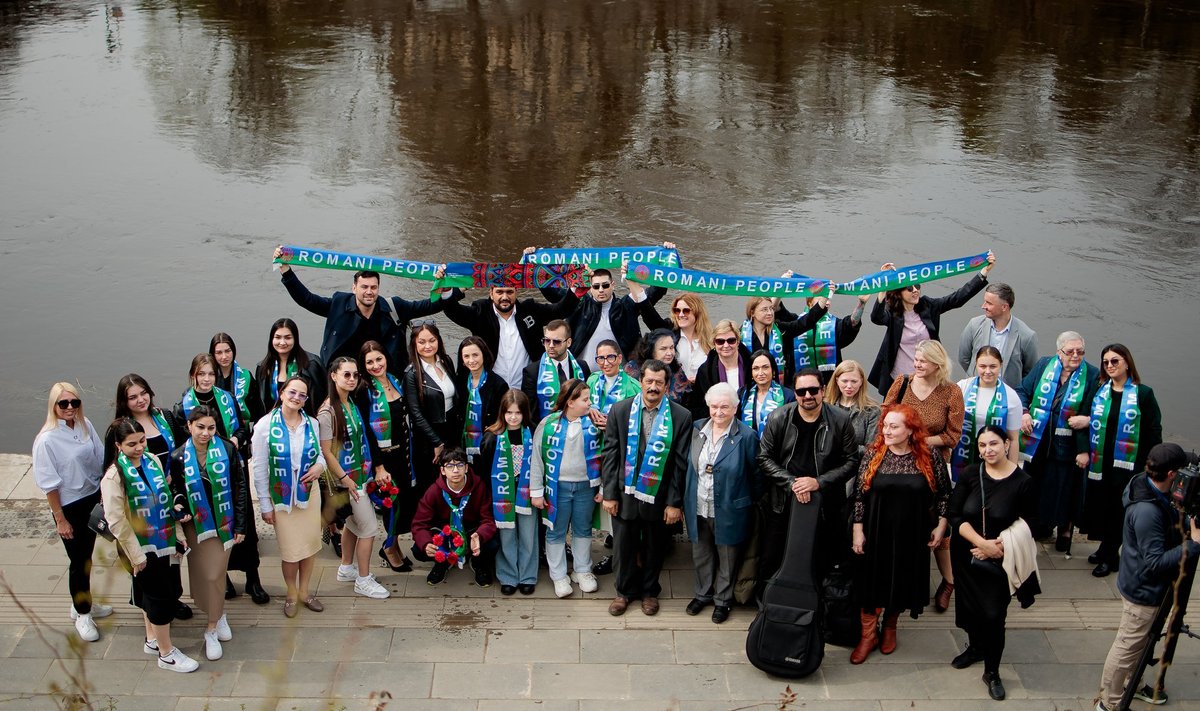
{"points": [[1002, 491], [381, 401], [900, 503]]}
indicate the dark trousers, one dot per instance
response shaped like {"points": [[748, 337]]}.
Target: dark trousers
{"points": [[79, 551], [633, 538]]}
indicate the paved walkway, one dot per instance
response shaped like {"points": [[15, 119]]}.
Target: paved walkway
{"points": [[461, 647]]}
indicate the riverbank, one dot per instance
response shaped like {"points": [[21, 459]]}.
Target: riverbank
{"points": [[458, 646]]}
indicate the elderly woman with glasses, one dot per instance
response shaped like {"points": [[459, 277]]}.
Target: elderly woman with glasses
{"points": [[910, 317], [1056, 397]]}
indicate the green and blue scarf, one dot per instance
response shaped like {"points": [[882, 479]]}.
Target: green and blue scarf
{"points": [[212, 518], [510, 486], [285, 483], [643, 478], [1128, 434], [554, 441], [774, 345], [965, 452], [756, 417], [226, 408], [149, 504], [548, 386], [1042, 403]]}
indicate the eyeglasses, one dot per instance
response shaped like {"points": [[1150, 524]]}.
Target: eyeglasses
{"points": [[607, 358], [1071, 351], [350, 376], [808, 391], [296, 395], [725, 341], [913, 287], [1107, 362], [454, 465], [71, 404], [553, 341], [681, 311], [598, 286]]}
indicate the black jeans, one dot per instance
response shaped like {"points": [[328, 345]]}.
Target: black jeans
{"points": [[79, 551]]}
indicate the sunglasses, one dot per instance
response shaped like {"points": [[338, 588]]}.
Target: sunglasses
{"points": [[599, 287], [66, 404], [553, 341], [607, 358], [454, 465], [296, 395], [1071, 351], [350, 376], [1106, 362], [681, 311], [808, 391], [913, 287], [725, 341]]}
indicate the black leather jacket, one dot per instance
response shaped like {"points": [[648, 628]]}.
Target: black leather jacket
{"points": [[835, 449], [237, 480]]}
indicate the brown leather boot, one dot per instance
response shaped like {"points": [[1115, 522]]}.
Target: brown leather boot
{"points": [[869, 639], [887, 643], [941, 599]]}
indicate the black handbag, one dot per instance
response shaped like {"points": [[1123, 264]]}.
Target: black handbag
{"points": [[99, 524], [990, 566]]}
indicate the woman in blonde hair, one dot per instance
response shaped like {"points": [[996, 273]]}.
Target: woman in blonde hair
{"points": [[692, 327], [847, 390], [939, 402], [728, 362], [68, 463]]}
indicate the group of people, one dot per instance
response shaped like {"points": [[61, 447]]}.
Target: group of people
{"points": [[561, 415]]}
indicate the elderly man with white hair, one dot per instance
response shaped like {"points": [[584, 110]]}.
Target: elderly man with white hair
{"points": [[722, 486]]}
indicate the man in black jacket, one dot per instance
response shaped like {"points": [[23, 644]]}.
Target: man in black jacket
{"points": [[640, 533], [355, 317], [561, 367], [807, 447], [512, 329], [600, 315], [1150, 557]]}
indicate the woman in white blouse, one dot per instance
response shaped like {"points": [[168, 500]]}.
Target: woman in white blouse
{"points": [[287, 464], [431, 395], [68, 459]]}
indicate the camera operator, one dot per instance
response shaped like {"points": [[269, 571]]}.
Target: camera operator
{"points": [[1150, 558]]}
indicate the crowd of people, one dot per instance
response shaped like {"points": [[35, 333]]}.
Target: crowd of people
{"points": [[562, 415]]}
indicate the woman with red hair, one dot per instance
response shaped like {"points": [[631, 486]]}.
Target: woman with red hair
{"points": [[900, 504]]}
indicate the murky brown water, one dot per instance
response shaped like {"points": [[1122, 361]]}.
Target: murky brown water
{"points": [[154, 152]]}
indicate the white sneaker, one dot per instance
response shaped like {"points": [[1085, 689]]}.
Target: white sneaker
{"points": [[370, 587], [86, 628], [587, 582], [98, 611], [562, 587], [177, 661], [224, 634], [347, 573], [151, 647], [212, 646]]}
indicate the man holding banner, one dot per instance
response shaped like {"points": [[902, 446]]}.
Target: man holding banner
{"points": [[512, 329], [355, 317]]}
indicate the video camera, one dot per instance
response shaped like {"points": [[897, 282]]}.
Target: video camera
{"points": [[1185, 490]]}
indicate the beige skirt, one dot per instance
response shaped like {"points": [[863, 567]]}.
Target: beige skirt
{"points": [[299, 530], [207, 563]]}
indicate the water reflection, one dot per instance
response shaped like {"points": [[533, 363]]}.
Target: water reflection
{"points": [[759, 134]]}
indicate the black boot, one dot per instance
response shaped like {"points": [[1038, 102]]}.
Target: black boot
{"points": [[254, 588], [230, 591]]}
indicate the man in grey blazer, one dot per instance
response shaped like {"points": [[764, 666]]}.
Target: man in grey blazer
{"points": [[997, 327]]}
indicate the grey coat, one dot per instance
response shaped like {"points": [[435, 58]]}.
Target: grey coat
{"points": [[1020, 350]]}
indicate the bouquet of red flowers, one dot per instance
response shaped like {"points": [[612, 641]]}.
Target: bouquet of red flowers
{"points": [[451, 546], [385, 500]]}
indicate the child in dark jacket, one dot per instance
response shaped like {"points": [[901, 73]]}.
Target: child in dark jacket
{"points": [[454, 522]]}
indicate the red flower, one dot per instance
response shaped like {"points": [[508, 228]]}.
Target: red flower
{"points": [[446, 530], [387, 503], [370, 486], [453, 558], [394, 490], [437, 539], [458, 541], [440, 557]]}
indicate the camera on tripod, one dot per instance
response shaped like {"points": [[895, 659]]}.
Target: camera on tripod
{"points": [[1185, 490]]}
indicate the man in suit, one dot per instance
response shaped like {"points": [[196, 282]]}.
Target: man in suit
{"points": [[997, 327], [512, 329], [355, 317], [543, 378], [650, 498]]}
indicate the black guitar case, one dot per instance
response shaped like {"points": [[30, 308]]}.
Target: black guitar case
{"points": [[785, 639]]}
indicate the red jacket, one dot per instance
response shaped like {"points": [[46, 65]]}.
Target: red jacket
{"points": [[432, 511]]}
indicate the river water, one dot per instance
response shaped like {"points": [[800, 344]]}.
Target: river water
{"points": [[154, 153]]}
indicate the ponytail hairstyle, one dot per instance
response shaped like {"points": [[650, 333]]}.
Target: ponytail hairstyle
{"points": [[334, 402], [120, 428]]}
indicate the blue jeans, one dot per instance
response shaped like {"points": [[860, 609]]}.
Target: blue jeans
{"points": [[517, 563], [576, 504]]}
